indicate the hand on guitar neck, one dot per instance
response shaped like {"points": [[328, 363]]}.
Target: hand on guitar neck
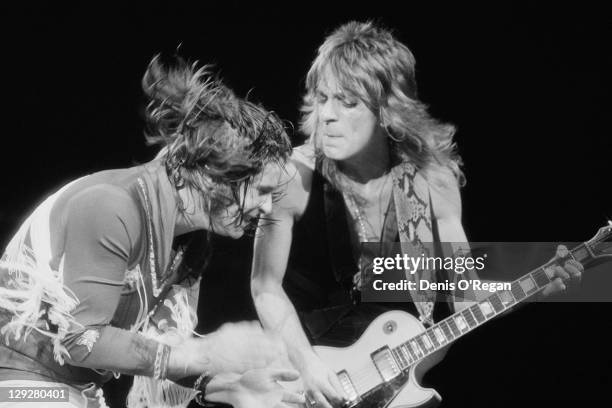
{"points": [[563, 270]]}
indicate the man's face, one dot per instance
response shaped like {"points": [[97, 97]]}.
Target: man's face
{"points": [[257, 201], [347, 127]]}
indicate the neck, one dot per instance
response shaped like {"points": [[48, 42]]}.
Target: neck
{"points": [[183, 225], [371, 164], [192, 218]]}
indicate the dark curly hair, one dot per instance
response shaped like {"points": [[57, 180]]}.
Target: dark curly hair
{"points": [[212, 141]]}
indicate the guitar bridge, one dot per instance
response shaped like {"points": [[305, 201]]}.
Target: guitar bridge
{"points": [[348, 386]]}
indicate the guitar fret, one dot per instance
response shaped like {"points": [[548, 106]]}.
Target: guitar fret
{"points": [[506, 298], [477, 313], [453, 327], [413, 356], [461, 323], [433, 338], [447, 332], [440, 335], [405, 354], [421, 343], [517, 291], [397, 355], [428, 344], [419, 353], [540, 278], [528, 285], [469, 318], [486, 308], [496, 303], [580, 253]]}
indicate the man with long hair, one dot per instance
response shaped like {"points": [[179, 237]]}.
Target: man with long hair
{"points": [[94, 282], [376, 168]]}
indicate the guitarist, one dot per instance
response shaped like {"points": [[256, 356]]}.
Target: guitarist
{"points": [[376, 168]]}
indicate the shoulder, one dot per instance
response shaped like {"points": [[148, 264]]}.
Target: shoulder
{"points": [[104, 209], [444, 188]]}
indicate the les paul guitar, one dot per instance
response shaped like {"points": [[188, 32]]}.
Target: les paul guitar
{"points": [[384, 367]]}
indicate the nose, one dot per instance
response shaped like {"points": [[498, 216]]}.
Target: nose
{"points": [[266, 205], [327, 111]]}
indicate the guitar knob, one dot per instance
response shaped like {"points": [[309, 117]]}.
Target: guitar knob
{"points": [[389, 327]]}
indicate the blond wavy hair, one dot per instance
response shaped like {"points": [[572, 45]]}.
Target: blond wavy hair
{"points": [[369, 63]]}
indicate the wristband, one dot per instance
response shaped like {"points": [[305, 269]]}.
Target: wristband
{"points": [[200, 387], [162, 357]]}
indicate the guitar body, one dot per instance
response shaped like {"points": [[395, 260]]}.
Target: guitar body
{"points": [[367, 376], [384, 367]]}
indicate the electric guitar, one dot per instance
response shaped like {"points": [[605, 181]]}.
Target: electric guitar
{"points": [[384, 367]]}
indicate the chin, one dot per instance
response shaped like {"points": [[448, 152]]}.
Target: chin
{"points": [[334, 154], [235, 234]]}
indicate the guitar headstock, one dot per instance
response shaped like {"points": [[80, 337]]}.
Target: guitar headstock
{"points": [[600, 246]]}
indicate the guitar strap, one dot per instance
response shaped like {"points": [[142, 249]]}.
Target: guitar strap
{"points": [[413, 214], [412, 204]]}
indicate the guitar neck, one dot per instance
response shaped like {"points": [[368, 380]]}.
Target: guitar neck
{"points": [[468, 319]]}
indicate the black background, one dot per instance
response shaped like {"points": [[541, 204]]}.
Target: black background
{"points": [[527, 86]]}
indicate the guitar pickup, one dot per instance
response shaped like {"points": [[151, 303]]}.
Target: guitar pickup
{"points": [[385, 364]]}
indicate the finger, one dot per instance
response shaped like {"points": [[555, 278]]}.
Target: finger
{"points": [[574, 273], [561, 273], [574, 267], [284, 374], [293, 397], [562, 251], [331, 394], [556, 285], [320, 400]]}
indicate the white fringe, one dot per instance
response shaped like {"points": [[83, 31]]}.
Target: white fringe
{"points": [[148, 392], [32, 287]]}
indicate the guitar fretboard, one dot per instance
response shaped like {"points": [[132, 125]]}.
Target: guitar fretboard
{"points": [[466, 320]]}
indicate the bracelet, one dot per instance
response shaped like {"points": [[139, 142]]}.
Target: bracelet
{"points": [[200, 387], [162, 357]]}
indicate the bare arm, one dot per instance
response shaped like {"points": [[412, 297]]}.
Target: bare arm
{"points": [[271, 253], [446, 202], [98, 249], [277, 313]]}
